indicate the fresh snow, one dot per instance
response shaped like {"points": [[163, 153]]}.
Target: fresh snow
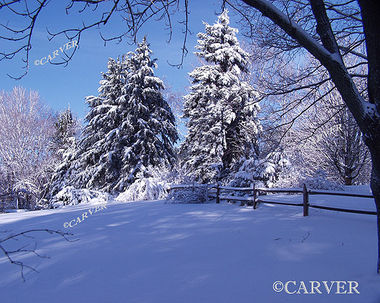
{"points": [[161, 252]]}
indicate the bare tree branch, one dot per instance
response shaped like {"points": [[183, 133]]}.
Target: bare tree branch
{"points": [[10, 253], [134, 13]]}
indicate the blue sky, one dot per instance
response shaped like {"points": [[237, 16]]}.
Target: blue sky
{"points": [[59, 86]]}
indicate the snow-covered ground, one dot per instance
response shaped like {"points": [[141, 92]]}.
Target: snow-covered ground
{"points": [[158, 252]]}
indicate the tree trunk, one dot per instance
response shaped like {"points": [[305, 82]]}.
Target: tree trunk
{"points": [[371, 25], [348, 181], [375, 186], [367, 116]]}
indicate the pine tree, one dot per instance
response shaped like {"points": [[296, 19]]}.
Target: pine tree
{"points": [[149, 120], [130, 126], [64, 147], [66, 129], [221, 107], [98, 160]]}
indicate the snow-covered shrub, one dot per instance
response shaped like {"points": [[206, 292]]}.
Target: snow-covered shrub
{"points": [[290, 177], [198, 194], [266, 170], [145, 188], [319, 180], [72, 196], [153, 183]]}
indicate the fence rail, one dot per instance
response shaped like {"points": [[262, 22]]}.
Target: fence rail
{"points": [[320, 192], [255, 198]]}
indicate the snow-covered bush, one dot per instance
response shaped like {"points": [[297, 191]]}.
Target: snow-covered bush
{"points": [[198, 194], [145, 188], [290, 177], [153, 183], [319, 180], [265, 170], [72, 196]]}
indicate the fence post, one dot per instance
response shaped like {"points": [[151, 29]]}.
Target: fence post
{"points": [[305, 201], [217, 192], [193, 188], [254, 196], [206, 198]]}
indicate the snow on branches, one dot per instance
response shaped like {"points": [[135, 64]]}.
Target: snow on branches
{"points": [[130, 127], [221, 107]]}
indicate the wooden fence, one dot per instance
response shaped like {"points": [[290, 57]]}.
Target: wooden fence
{"points": [[219, 193]]}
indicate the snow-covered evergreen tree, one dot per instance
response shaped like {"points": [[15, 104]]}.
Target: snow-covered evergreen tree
{"points": [[64, 147], [66, 131], [220, 107], [149, 121], [98, 161], [130, 127]]}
